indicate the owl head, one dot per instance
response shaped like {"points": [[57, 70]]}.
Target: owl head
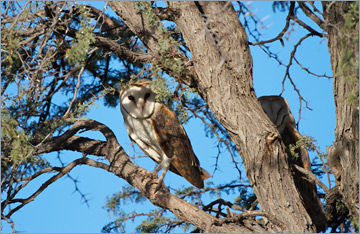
{"points": [[137, 99]]}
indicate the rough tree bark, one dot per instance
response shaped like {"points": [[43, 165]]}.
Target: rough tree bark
{"points": [[222, 74], [343, 156]]}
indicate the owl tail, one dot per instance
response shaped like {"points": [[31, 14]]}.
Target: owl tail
{"points": [[204, 174]]}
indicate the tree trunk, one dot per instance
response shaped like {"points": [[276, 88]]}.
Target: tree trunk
{"points": [[343, 156], [223, 65]]}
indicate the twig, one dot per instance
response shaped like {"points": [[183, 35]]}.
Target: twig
{"points": [[286, 27], [223, 202], [254, 213], [75, 91], [311, 15], [63, 172], [12, 224], [220, 140], [324, 165], [69, 108], [314, 7], [254, 204], [311, 73], [287, 75], [307, 27], [82, 195], [311, 176], [215, 189]]}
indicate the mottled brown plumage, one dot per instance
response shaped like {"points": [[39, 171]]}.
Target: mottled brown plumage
{"points": [[175, 143]]}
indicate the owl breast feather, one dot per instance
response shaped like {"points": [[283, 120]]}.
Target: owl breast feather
{"points": [[142, 133]]}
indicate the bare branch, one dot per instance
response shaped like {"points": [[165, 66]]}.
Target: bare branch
{"points": [[227, 203], [12, 224], [123, 52], [215, 189], [311, 15], [253, 213], [307, 27], [287, 75], [281, 34], [311, 73], [75, 143], [75, 91], [311, 176], [62, 172]]}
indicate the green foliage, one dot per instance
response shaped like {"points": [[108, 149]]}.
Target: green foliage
{"points": [[78, 52], [118, 225], [310, 144], [9, 47], [128, 194], [293, 148], [168, 45], [17, 147], [355, 223], [162, 89], [153, 225], [306, 142], [152, 18]]}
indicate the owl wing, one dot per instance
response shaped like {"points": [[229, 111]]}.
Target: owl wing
{"points": [[174, 141]]}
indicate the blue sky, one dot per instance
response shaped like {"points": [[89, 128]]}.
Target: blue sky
{"points": [[60, 209]]}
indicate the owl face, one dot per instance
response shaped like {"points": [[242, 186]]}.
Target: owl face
{"points": [[138, 100]]}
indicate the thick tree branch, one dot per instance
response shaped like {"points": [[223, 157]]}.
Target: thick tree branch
{"points": [[75, 143], [123, 52], [122, 167], [150, 36]]}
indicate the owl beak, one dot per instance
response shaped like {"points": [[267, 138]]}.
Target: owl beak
{"points": [[141, 105]]}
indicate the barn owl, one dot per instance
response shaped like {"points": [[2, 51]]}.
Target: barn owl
{"points": [[157, 131], [278, 111]]}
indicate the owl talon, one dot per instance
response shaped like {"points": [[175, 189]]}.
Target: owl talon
{"points": [[161, 185], [153, 175], [158, 187]]}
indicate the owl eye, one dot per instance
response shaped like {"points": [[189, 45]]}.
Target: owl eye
{"points": [[147, 95], [131, 98]]}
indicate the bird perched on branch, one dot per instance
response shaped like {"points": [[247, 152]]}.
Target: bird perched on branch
{"points": [[157, 131], [278, 111]]}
